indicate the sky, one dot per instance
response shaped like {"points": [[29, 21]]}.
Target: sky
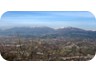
{"points": [[54, 19]]}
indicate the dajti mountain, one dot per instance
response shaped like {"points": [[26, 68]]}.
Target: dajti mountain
{"points": [[47, 32]]}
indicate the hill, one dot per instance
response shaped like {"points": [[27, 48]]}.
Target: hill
{"points": [[47, 32]]}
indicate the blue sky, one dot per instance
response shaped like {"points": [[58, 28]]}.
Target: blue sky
{"points": [[53, 19]]}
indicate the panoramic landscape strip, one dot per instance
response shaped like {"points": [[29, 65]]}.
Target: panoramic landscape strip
{"points": [[48, 36]]}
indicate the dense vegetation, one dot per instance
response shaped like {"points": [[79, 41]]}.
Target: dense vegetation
{"points": [[48, 49]]}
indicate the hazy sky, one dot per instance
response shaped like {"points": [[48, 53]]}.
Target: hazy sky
{"points": [[54, 19]]}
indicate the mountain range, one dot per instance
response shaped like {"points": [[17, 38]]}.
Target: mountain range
{"points": [[47, 32]]}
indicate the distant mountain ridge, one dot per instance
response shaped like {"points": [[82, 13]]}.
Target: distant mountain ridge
{"points": [[47, 32]]}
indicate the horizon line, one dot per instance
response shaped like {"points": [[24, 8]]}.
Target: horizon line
{"points": [[48, 27]]}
